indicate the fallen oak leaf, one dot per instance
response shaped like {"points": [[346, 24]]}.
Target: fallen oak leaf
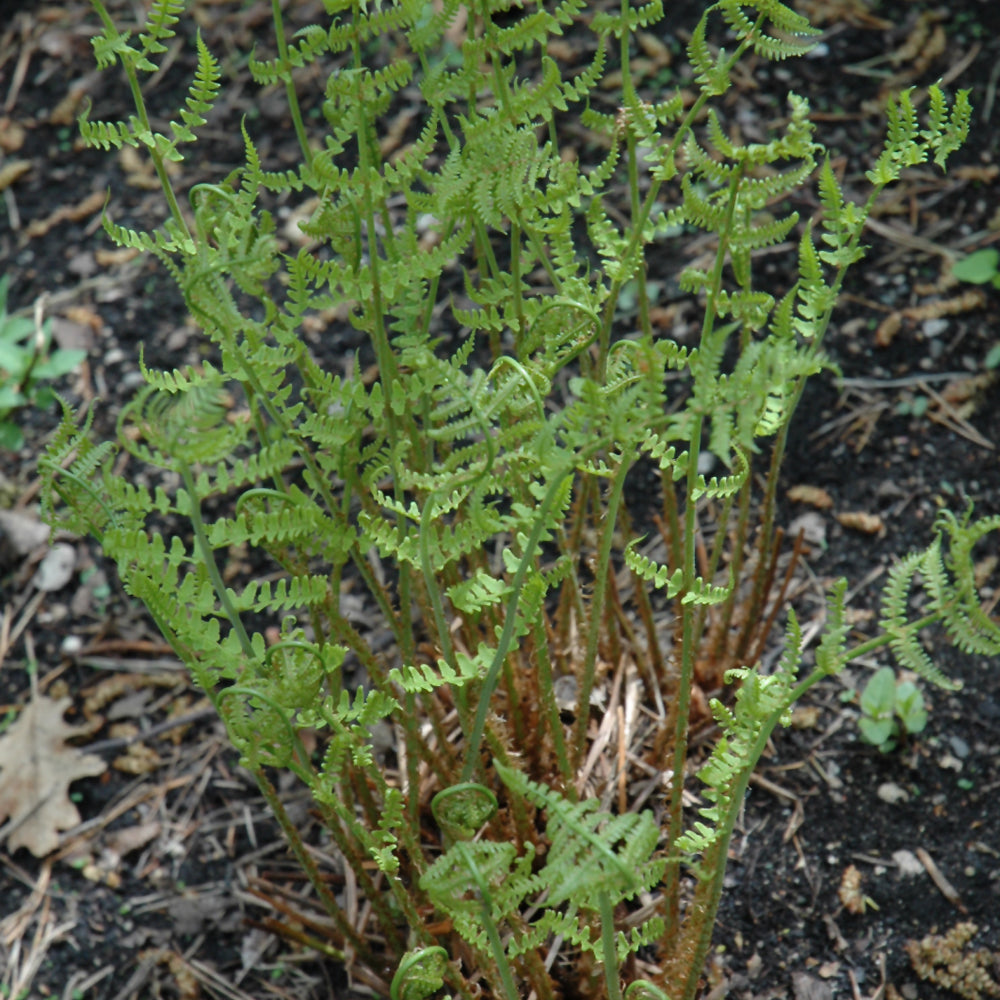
{"points": [[37, 766]]}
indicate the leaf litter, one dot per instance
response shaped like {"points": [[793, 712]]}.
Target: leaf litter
{"points": [[37, 766]]}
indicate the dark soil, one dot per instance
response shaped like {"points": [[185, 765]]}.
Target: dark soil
{"points": [[909, 428]]}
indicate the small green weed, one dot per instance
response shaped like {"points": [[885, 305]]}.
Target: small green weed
{"points": [[980, 268], [891, 709], [25, 365]]}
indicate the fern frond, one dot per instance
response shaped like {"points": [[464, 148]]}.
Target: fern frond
{"points": [[711, 73], [159, 28], [894, 617], [201, 95], [424, 678], [590, 853]]}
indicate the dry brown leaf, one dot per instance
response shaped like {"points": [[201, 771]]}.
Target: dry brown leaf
{"points": [[90, 205], [975, 172], [10, 172], [37, 767], [805, 717], [112, 258], [138, 759], [850, 894], [969, 300], [655, 49], [888, 328], [870, 524], [854, 12], [920, 38], [983, 570], [815, 496], [12, 135], [132, 838]]}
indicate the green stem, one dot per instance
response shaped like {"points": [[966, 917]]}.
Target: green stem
{"points": [[596, 612], [145, 127], [608, 948], [690, 640], [286, 74], [489, 684], [208, 560], [638, 223], [489, 924]]}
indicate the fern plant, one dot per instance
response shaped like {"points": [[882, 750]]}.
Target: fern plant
{"points": [[474, 490]]}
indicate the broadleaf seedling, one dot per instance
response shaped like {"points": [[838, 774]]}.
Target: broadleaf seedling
{"points": [[891, 709]]}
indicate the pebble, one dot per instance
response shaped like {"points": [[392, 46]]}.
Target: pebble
{"points": [[56, 569], [907, 863], [892, 793]]}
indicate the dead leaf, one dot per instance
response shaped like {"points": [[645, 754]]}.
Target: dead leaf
{"points": [[132, 838], [12, 135], [850, 894], [73, 213], [37, 767], [816, 496], [870, 524], [10, 172], [112, 258], [655, 49], [970, 300], [805, 717], [888, 328], [975, 172], [983, 570]]}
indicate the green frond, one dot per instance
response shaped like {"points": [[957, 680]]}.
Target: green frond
{"points": [[642, 989], [795, 28], [370, 24], [113, 46], [427, 31], [160, 242], [968, 625], [106, 135], [750, 309], [159, 27], [583, 84], [590, 852], [201, 95], [312, 42], [894, 617], [71, 469], [288, 593], [460, 810], [707, 213], [946, 132], [907, 145], [424, 678], [720, 487], [711, 72], [641, 16], [185, 426], [420, 974], [390, 820], [476, 881]]}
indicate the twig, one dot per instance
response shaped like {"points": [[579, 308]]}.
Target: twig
{"points": [[947, 889], [119, 743]]}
